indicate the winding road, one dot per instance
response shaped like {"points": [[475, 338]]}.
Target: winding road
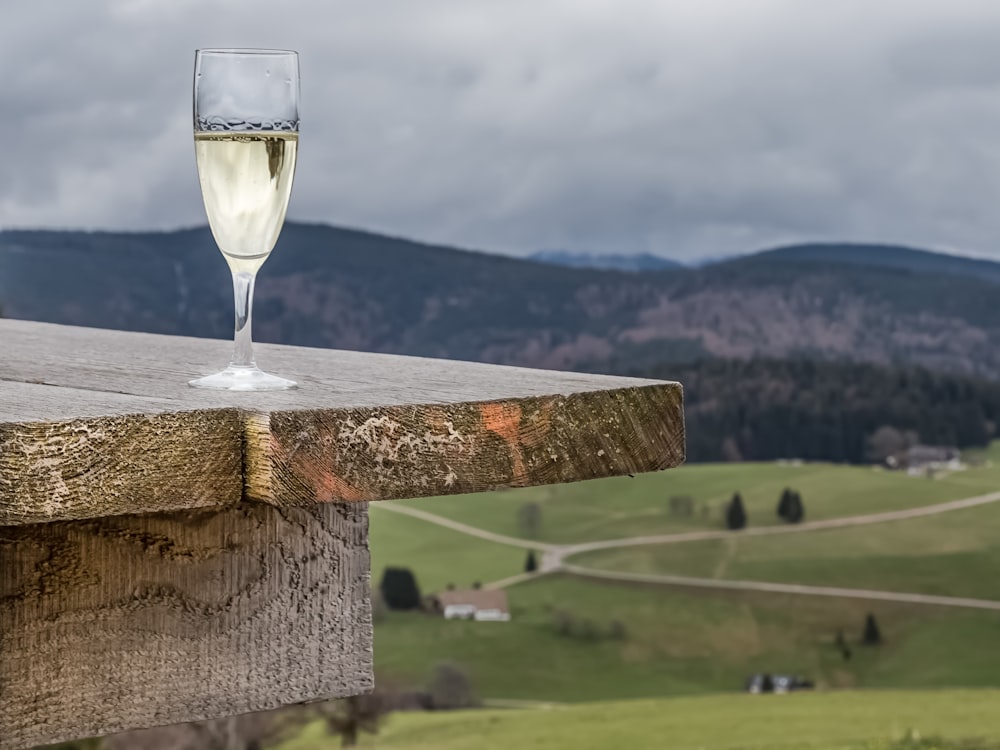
{"points": [[554, 556]]}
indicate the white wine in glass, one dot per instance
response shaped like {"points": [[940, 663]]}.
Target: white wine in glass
{"points": [[246, 137]]}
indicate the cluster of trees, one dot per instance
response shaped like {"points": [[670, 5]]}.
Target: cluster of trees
{"points": [[763, 409], [790, 509]]}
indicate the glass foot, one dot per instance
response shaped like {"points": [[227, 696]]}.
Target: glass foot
{"points": [[236, 378]]}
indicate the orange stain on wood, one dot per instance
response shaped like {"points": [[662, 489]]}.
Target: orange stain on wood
{"points": [[330, 488], [504, 419], [327, 486]]}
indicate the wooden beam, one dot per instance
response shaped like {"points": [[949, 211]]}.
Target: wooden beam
{"points": [[396, 452], [114, 465], [96, 423], [139, 621]]}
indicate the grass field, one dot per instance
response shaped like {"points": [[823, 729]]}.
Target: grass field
{"points": [[943, 720], [437, 556], [621, 507], [687, 642], [956, 553], [683, 642]]}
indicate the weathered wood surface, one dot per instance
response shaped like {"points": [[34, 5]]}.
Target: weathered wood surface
{"points": [[109, 466], [404, 451], [96, 423], [128, 622]]}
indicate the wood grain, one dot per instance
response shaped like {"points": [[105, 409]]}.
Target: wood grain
{"points": [[310, 456], [108, 466], [129, 622], [95, 423]]}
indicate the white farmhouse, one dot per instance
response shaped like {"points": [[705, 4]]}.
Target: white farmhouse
{"points": [[474, 604]]}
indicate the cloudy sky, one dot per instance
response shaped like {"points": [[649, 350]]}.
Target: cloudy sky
{"points": [[686, 128]]}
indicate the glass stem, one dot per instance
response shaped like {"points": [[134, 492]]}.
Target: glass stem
{"points": [[243, 344]]}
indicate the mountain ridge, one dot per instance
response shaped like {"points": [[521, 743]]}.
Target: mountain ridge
{"points": [[345, 288], [901, 257]]}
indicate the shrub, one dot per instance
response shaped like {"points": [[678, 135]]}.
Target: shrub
{"points": [[736, 515], [451, 688], [399, 589], [872, 635], [530, 562]]}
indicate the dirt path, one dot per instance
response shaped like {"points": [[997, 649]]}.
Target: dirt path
{"points": [[462, 528], [784, 588], [799, 528]]}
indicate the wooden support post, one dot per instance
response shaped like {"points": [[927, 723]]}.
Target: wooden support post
{"points": [[139, 621]]}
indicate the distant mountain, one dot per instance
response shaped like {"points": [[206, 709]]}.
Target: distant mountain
{"points": [[608, 262], [710, 260], [333, 287], [886, 256]]}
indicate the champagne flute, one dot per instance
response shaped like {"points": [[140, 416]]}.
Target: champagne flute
{"points": [[246, 132]]}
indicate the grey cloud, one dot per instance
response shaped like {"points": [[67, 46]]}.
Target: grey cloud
{"points": [[680, 128]]}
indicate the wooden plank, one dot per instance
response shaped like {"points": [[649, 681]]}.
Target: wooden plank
{"points": [[130, 622], [105, 466], [309, 456], [361, 427]]}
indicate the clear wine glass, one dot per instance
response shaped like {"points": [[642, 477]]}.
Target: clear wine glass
{"points": [[246, 133]]}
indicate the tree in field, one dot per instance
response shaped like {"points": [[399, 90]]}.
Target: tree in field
{"points": [[451, 688], [888, 443], [783, 503], [790, 507], [399, 589], [885, 443], [529, 519], [349, 717], [872, 635], [736, 515], [530, 563]]}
